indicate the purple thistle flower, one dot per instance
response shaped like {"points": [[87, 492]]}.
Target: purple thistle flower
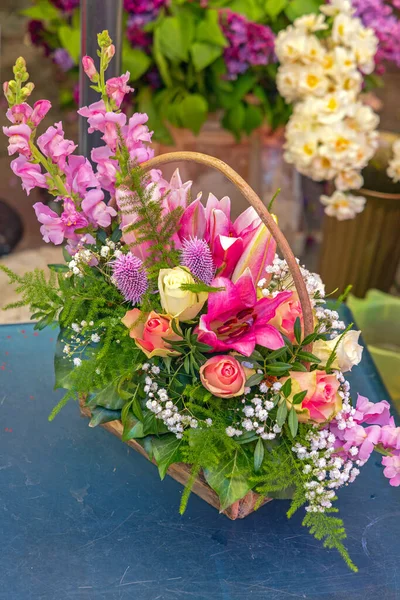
{"points": [[197, 257], [130, 277]]}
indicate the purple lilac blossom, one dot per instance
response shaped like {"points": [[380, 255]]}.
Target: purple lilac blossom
{"points": [[63, 59], [250, 44], [379, 15]]}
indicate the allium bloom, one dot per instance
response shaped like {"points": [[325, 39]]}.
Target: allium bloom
{"points": [[31, 174], [196, 256], [130, 277]]}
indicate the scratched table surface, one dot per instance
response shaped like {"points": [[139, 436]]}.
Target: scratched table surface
{"points": [[82, 516]]}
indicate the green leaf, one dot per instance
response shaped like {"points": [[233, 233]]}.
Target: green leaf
{"points": [[167, 451], [297, 330], [58, 268], [258, 455], [193, 112], [103, 415], [147, 105], [298, 8], [152, 425], [108, 397], [278, 368], [276, 353], [274, 7], [161, 62], [62, 366], [228, 480], [71, 40], [42, 11], [203, 54], [254, 379], [253, 118], [293, 422], [282, 413], [132, 428], [135, 61], [308, 357], [233, 119], [209, 30], [298, 398], [173, 39], [298, 366], [286, 389]]}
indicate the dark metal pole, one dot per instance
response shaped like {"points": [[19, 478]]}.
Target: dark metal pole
{"points": [[97, 15]]}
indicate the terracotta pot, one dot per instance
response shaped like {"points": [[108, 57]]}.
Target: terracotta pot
{"points": [[365, 251]]}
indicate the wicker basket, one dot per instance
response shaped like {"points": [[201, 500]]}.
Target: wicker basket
{"points": [[179, 471]]}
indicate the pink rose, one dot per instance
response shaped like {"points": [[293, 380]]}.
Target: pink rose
{"points": [[151, 332], [286, 315], [117, 87], [223, 376], [31, 174], [322, 401], [19, 136], [392, 470]]}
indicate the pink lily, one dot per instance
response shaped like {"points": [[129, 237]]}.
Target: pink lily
{"points": [[193, 222], [259, 245], [236, 320], [226, 252]]}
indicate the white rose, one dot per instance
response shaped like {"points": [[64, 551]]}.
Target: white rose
{"points": [[348, 352], [179, 303]]}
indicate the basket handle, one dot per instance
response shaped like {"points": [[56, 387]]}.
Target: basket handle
{"points": [[261, 210]]}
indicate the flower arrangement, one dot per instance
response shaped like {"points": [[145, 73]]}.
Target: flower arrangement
{"points": [[187, 327], [331, 135]]}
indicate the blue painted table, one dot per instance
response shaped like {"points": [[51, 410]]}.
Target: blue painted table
{"points": [[84, 517]]}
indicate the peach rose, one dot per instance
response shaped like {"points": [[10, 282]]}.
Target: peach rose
{"points": [[223, 376], [322, 401], [286, 315], [151, 332]]}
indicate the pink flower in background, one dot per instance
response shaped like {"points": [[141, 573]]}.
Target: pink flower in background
{"points": [[19, 136], [54, 146], [364, 438], [117, 88], [390, 437], [89, 67], [177, 192], [137, 135], [372, 413], [19, 113], [236, 320], [97, 211], [40, 110], [79, 175], [112, 122], [52, 228], [107, 168], [30, 174], [94, 113], [392, 469]]}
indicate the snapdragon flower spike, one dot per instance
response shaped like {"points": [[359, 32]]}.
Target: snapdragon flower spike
{"points": [[130, 277], [196, 256]]}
